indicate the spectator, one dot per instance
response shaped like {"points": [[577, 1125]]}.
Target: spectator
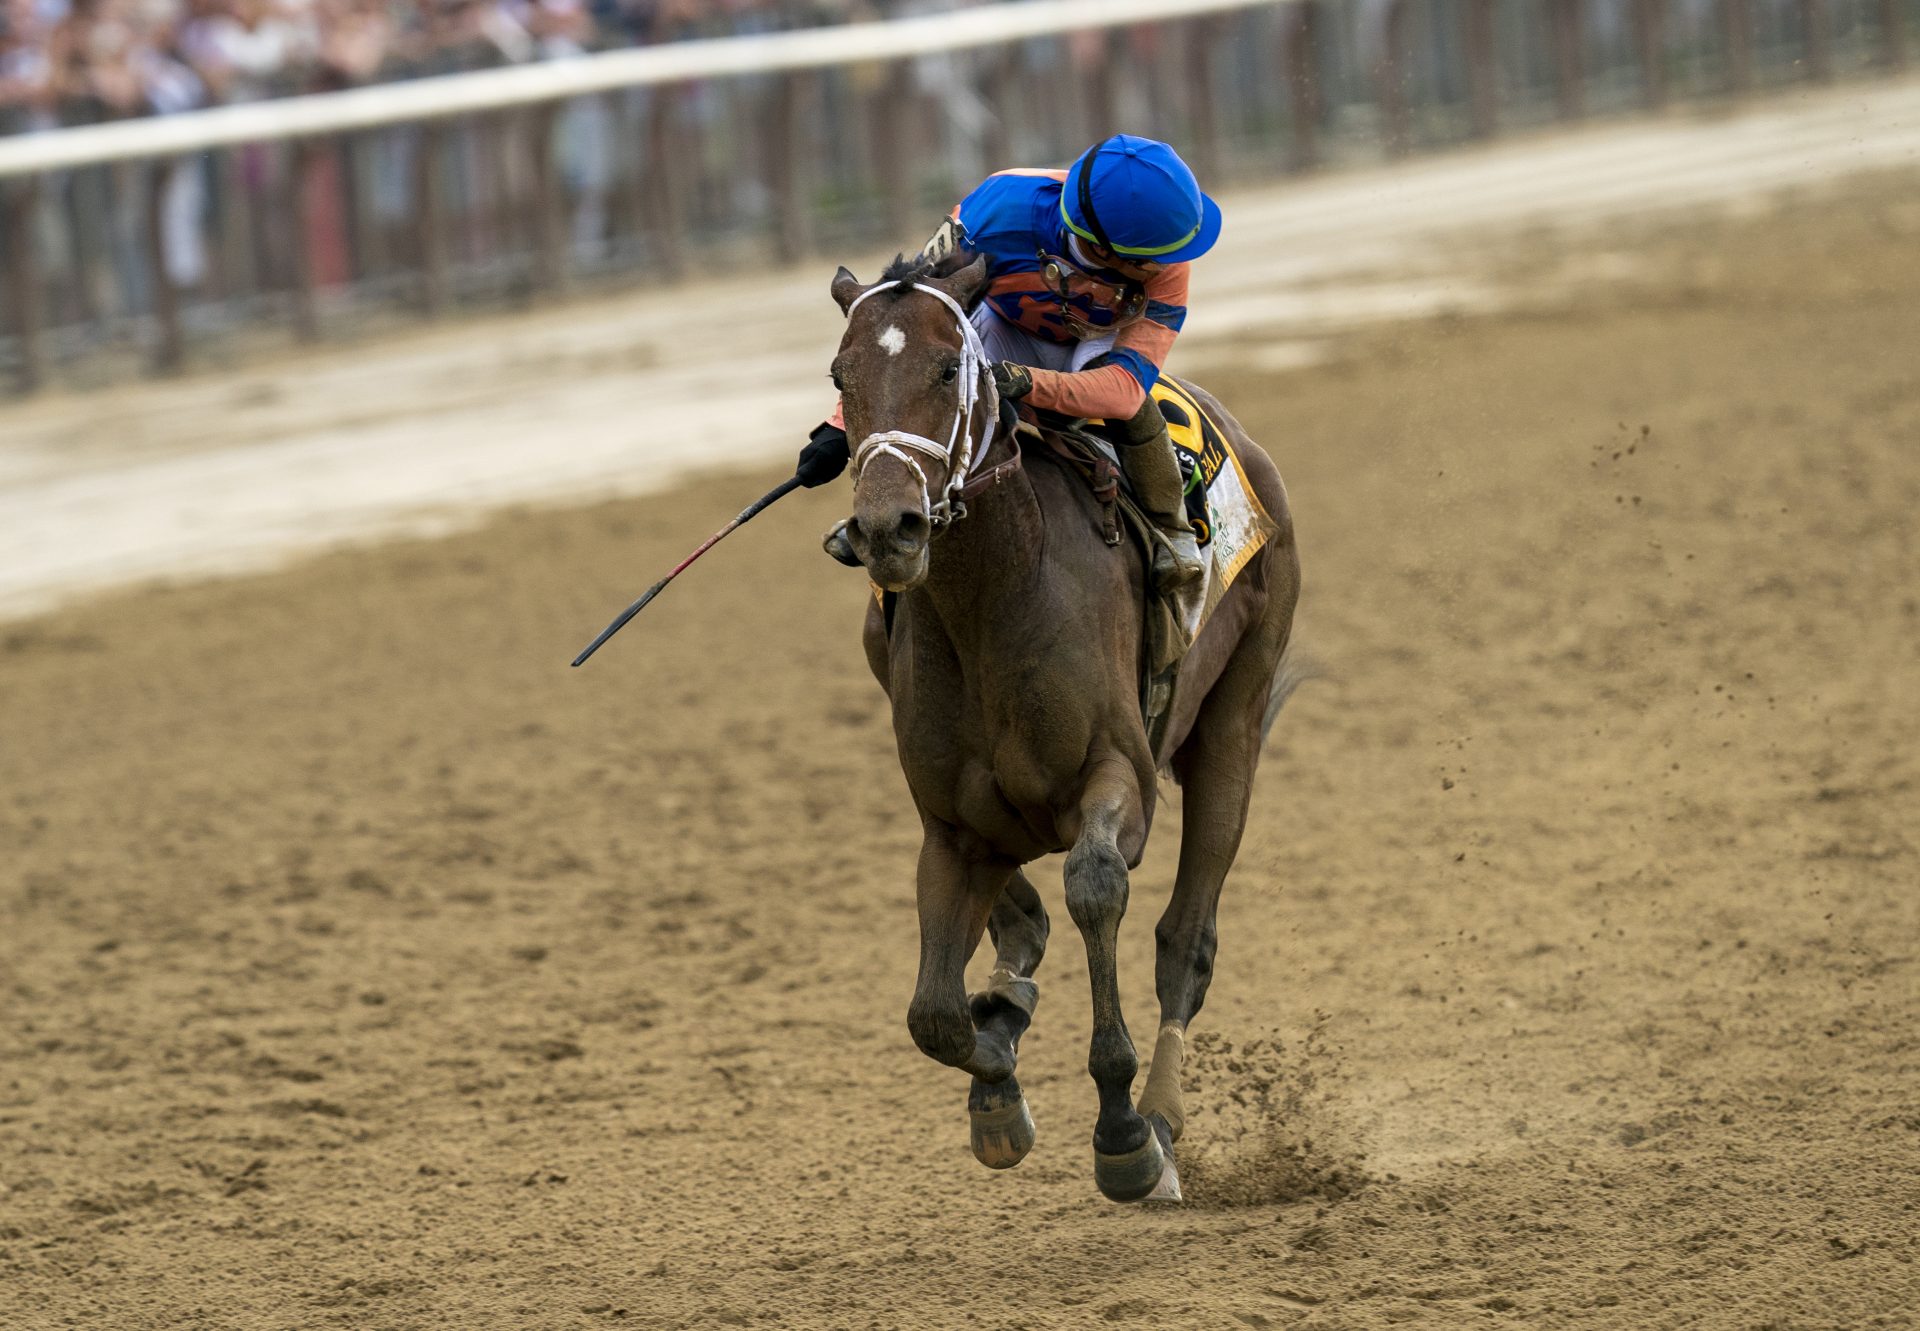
{"points": [[244, 49], [91, 52], [358, 39], [27, 98]]}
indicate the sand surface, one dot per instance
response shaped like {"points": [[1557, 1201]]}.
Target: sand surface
{"points": [[365, 967]]}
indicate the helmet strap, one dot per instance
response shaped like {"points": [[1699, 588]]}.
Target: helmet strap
{"points": [[1087, 213]]}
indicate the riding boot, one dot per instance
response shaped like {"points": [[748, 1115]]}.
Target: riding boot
{"points": [[1154, 473], [835, 543]]}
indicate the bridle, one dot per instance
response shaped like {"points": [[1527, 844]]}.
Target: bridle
{"points": [[958, 453]]}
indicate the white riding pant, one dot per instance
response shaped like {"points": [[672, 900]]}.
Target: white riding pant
{"points": [[1008, 341]]}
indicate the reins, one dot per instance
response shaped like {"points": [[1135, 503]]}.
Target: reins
{"points": [[958, 452]]}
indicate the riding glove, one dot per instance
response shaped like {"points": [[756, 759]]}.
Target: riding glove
{"points": [[824, 457], [1013, 381]]}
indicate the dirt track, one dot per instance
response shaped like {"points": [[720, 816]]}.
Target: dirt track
{"points": [[365, 967]]}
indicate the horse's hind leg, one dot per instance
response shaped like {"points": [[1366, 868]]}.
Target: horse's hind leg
{"points": [[1127, 1157], [1002, 1126], [1216, 764]]}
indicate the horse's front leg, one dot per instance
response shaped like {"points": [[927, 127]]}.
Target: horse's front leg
{"points": [[1128, 1157], [1002, 1124], [956, 894]]}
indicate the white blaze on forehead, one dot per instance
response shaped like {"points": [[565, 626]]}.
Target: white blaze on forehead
{"points": [[893, 340]]}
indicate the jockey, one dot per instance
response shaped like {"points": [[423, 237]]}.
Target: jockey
{"points": [[1087, 288]]}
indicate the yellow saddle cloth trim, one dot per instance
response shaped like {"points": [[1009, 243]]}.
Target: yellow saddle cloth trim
{"points": [[1237, 523]]}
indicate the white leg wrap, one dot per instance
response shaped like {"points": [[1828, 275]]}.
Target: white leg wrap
{"points": [[1018, 990], [1161, 1095]]}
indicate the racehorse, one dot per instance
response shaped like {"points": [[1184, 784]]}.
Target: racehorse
{"points": [[1010, 653]]}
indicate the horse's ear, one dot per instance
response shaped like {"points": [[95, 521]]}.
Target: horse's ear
{"points": [[968, 283], [846, 289]]}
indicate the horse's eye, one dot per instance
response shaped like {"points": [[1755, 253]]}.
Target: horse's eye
{"points": [[951, 373], [838, 383]]}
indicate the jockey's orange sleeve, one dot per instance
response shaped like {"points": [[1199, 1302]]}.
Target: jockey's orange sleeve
{"points": [[1115, 391]]}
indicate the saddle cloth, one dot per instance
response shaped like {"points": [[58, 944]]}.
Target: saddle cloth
{"points": [[1229, 522]]}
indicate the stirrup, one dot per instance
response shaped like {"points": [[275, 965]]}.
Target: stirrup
{"points": [[836, 544], [1179, 562]]}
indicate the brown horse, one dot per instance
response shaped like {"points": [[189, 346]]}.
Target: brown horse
{"points": [[1012, 663]]}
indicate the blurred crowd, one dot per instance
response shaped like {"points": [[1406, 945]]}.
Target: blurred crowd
{"points": [[72, 62]]}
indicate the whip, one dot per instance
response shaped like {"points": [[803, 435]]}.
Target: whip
{"points": [[785, 487]]}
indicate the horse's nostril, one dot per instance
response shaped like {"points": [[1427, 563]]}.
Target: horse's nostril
{"points": [[913, 526]]}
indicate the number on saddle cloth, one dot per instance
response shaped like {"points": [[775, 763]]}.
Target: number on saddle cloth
{"points": [[1198, 446]]}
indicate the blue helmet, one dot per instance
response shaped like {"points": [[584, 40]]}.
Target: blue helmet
{"points": [[1136, 198]]}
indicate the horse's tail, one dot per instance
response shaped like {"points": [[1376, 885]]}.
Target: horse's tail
{"points": [[1295, 668]]}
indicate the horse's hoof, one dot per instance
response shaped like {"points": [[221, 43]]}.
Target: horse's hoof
{"points": [[1003, 1135], [1134, 1176], [1168, 1188]]}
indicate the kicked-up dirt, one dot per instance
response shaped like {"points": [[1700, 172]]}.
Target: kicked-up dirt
{"points": [[366, 967]]}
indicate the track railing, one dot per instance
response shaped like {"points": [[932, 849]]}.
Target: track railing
{"points": [[201, 233]]}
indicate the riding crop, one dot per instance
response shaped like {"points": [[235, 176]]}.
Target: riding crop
{"points": [[785, 487]]}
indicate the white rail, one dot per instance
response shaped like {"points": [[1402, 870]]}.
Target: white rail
{"points": [[523, 85]]}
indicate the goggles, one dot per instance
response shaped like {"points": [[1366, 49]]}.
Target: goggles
{"points": [[1125, 301]]}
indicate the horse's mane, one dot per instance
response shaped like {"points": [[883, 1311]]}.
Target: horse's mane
{"points": [[906, 270]]}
